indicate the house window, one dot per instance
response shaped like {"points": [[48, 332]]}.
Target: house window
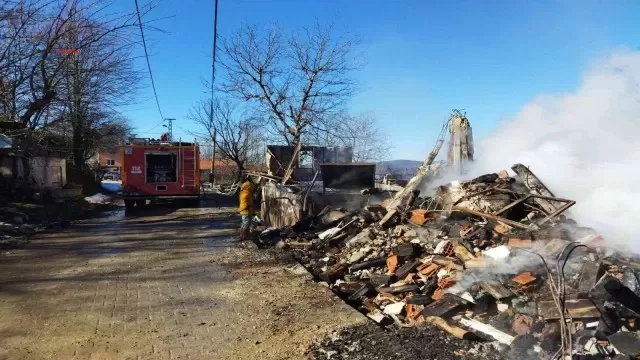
{"points": [[306, 159], [111, 162]]}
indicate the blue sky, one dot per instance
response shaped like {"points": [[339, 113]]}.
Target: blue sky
{"points": [[423, 58]]}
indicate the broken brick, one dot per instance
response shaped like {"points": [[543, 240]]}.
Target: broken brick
{"points": [[519, 243], [522, 324], [501, 229], [392, 263], [465, 229], [428, 269], [446, 282], [524, 279], [412, 310], [419, 217]]}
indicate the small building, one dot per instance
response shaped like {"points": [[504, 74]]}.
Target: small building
{"points": [[109, 161], [224, 171], [47, 169]]}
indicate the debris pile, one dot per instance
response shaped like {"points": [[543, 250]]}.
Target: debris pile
{"points": [[493, 258]]}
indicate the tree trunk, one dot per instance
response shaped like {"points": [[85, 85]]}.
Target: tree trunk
{"points": [[78, 146], [77, 119], [241, 169]]}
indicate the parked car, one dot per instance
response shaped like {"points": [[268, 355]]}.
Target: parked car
{"points": [[112, 176]]}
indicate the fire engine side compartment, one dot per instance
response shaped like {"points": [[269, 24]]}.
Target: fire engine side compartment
{"points": [[135, 185]]}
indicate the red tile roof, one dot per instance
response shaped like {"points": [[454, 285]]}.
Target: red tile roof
{"points": [[206, 164]]}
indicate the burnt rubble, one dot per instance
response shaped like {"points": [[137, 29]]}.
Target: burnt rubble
{"points": [[491, 259]]}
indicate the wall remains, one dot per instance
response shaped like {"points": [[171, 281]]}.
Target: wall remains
{"points": [[280, 206]]}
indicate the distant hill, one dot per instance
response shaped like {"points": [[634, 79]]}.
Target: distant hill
{"points": [[405, 168]]}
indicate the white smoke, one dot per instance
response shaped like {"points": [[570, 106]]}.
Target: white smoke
{"points": [[583, 145]]}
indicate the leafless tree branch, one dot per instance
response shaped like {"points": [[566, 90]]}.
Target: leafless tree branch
{"points": [[295, 81]]}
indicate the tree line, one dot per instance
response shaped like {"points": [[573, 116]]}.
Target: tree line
{"points": [[68, 66]]}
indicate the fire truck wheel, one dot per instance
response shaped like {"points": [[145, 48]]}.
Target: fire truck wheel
{"points": [[128, 204], [193, 203], [141, 203]]}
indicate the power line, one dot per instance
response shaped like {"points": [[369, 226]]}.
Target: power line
{"points": [[215, 46], [146, 55], [213, 64]]}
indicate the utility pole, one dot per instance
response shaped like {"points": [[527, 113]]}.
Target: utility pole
{"points": [[213, 155], [213, 79], [170, 128]]}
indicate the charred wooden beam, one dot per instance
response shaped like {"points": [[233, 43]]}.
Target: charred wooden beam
{"points": [[399, 289], [334, 273], [407, 268], [368, 264], [495, 289], [589, 277], [576, 308], [451, 329], [536, 187], [444, 306], [491, 217]]}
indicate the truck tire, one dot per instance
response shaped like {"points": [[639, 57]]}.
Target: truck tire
{"points": [[141, 203], [128, 204], [193, 203]]}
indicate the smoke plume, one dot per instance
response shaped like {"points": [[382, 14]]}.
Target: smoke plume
{"points": [[583, 145]]}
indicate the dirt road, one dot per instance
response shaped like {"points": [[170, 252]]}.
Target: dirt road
{"points": [[161, 284]]}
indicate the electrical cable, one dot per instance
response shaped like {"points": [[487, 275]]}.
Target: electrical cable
{"points": [[146, 55], [215, 46], [556, 300], [574, 245]]}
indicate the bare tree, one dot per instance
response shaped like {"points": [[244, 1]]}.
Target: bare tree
{"points": [[361, 132], [44, 44], [96, 80], [296, 81], [237, 135]]}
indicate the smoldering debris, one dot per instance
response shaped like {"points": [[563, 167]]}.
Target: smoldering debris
{"points": [[495, 258]]}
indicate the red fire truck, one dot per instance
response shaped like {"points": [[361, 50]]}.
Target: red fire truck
{"points": [[159, 169]]}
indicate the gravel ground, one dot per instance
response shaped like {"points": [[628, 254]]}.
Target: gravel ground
{"points": [[369, 342]]}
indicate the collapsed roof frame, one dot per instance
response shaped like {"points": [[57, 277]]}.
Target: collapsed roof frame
{"points": [[524, 197]]}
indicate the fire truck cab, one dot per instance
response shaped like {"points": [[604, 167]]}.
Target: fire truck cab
{"points": [[159, 169]]}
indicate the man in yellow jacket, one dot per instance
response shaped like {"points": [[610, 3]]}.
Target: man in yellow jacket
{"points": [[246, 206]]}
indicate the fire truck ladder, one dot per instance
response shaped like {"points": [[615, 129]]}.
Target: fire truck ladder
{"points": [[189, 165]]}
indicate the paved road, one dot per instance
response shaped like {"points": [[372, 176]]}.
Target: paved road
{"points": [[161, 284]]}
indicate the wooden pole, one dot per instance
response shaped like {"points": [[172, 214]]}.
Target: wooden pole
{"points": [[213, 156]]}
